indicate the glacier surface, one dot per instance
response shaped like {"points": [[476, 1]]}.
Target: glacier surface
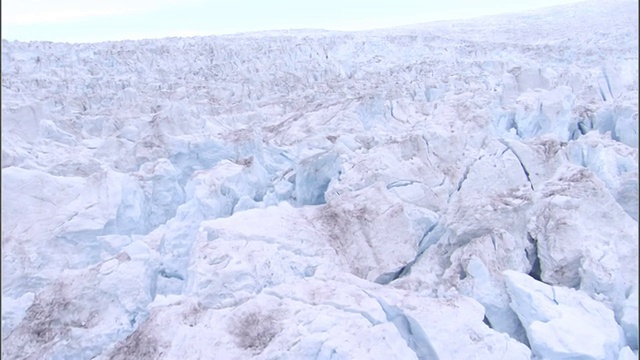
{"points": [[451, 190]]}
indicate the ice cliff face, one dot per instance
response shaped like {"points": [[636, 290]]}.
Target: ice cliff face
{"points": [[448, 191]]}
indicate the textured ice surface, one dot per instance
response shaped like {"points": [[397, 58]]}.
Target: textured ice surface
{"points": [[415, 193], [563, 323]]}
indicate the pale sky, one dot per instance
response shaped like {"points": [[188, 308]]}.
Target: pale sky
{"points": [[98, 20]]}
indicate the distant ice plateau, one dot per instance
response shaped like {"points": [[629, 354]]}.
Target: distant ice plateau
{"points": [[454, 190]]}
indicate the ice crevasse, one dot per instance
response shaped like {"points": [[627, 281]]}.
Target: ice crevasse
{"points": [[451, 190]]}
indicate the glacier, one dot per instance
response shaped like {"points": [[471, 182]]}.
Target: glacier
{"points": [[451, 190]]}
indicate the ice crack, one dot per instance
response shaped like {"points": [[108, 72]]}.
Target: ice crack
{"points": [[429, 238], [524, 169], [332, 304], [401, 183], [410, 330]]}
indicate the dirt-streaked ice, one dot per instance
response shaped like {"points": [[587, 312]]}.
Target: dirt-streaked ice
{"points": [[452, 190]]}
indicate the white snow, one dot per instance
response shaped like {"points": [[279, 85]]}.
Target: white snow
{"points": [[452, 190]]}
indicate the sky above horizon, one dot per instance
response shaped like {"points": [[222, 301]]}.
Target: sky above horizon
{"points": [[74, 21]]}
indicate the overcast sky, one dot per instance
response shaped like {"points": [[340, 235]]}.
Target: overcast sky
{"points": [[97, 20]]}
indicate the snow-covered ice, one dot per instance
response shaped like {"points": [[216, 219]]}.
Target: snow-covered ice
{"points": [[563, 323], [452, 190]]}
